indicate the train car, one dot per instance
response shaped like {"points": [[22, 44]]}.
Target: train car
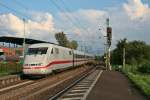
{"points": [[79, 58], [44, 58]]}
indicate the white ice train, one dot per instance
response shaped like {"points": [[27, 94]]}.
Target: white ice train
{"points": [[44, 58]]}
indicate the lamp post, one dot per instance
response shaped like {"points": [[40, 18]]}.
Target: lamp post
{"points": [[24, 40]]}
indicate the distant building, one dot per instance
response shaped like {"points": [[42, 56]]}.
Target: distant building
{"points": [[10, 54], [8, 51]]}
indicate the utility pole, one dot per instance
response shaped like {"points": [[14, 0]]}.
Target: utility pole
{"points": [[24, 44], [124, 60]]}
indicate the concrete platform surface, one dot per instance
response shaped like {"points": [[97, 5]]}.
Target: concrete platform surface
{"points": [[113, 85]]}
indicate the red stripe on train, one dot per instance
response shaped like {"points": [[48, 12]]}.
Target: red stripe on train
{"points": [[53, 63]]}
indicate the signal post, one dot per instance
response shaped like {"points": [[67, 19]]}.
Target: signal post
{"points": [[108, 44]]}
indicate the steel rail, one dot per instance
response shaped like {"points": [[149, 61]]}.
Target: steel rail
{"points": [[70, 86]]}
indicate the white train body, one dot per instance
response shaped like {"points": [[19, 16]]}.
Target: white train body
{"points": [[43, 58]]}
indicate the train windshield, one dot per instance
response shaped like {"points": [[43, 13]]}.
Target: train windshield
{"points": [[1, 53], [37, 51]]}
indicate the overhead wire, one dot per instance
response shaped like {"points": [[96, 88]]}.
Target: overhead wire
{"points": [[59, 8], [75, 17], [26, 7], [24, 17], [66, 14], [73, 21], [14, 10], [21, 4]]}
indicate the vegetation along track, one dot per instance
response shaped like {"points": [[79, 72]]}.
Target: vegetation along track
{"points": [[79, 89], [44, 87]]}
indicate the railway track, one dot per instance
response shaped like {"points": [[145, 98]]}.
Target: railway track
{"points": [[31, 89], [17, 83], [80, 89], [14, 86], [6, 81]]}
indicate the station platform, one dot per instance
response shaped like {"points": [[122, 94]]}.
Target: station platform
{"points": [[113, 85]]}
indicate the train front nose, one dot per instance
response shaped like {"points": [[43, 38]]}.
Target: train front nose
{"points": [[34, 64], [32, 69], [35, 60]]}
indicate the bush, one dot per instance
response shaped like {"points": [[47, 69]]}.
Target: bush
{"points": [[117, 67], [7, 68], [142, 82], [144, 68]]}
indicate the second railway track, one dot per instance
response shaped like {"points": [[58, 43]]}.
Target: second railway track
{"points": [[80, 89]]}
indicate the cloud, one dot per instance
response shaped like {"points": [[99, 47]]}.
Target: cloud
{"points": [[131, 20], [43, 21], [11, 22], [39, 26], [83, 25], [91, 15], [88, 15], [136, 9], [83, 21]]}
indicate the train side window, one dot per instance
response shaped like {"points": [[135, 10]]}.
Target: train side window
{"points": [[70, 53], [52, 51], [56, 50]]}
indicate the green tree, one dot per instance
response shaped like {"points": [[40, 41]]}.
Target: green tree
{"points": [[117, 54], [62, 39], [136, 52], [73, 44]]}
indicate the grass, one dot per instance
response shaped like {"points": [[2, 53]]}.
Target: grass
{"points": [[141, 81], [10, 68]]}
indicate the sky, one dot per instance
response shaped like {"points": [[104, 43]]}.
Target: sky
{"points": [[79, 19]]}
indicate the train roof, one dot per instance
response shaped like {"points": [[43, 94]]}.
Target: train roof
{"points": [[40, 45], [47, 45], [57, 46]]}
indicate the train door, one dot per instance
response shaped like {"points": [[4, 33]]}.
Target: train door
{"points": [[73, 58]]}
